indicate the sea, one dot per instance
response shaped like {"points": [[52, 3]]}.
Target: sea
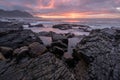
{"points": [[92, 23], [48, 23]]}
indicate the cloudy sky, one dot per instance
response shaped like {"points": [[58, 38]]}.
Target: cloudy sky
{"points": [[66, 8]]}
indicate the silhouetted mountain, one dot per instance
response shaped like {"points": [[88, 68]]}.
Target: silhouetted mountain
{"points": [[14, 13]]}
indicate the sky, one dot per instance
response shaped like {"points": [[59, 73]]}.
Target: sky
{"points": [[66, 8]]}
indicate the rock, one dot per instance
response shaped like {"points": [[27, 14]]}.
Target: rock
{"points": [[68, 56], [37, 48], [59, 44], [21, 52], [48, 34], [59, 52], [99, 55], [69, 60], [10, 27], [56, 37], [72, 26], [1, 56], [45, 67], [18, 39], [59, 37], [38, 25], [69, 35], [63, 26], [7, 52]]}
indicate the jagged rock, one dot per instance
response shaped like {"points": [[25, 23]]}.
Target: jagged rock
{"points": [[18, 39], [59, 52], [45, 67], [1, 56], [21, 52], [37, 48], [6, 51], [59, 44], [99, 56], [56, 37]]}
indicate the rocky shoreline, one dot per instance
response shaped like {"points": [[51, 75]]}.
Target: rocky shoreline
{"points": [[23, 55]]}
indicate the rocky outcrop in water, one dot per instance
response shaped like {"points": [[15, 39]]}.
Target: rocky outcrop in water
{"points": [[84, 28], [99, 55], [37, 25]]}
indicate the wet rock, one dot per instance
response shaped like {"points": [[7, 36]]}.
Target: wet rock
{"points": [[6, 51], [1, 56], [63, 26], [59, 44], [37, 48], [45, 67], [99, 56], [72, 26], [38, 25]]}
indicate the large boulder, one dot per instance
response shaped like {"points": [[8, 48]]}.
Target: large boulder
{"points": [[37, 48], [56, 37], [99, 55], [45, 67]]}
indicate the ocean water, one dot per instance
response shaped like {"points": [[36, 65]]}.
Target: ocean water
{"points": [[93, 23]]}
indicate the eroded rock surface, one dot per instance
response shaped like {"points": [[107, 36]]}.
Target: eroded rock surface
{"points": [[45, 67], [99, 55], [18, 38]]}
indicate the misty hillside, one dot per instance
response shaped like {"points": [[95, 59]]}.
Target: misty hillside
{"points": [[14, 13]]}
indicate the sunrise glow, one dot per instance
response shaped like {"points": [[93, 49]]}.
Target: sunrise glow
{"points": [[65, 8]]}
